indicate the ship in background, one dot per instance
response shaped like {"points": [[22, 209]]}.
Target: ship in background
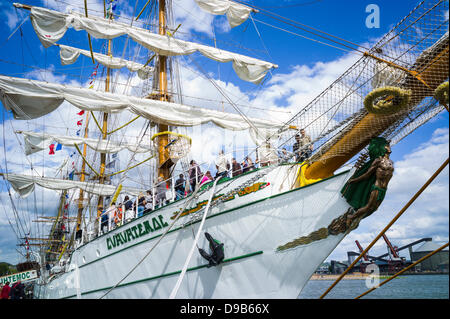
{"points": [[274, 221]]}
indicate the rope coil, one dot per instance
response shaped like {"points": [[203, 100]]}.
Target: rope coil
{"points": [[387, 100], [441, 93]]}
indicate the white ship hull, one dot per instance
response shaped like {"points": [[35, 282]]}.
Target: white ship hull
{"points": [[251, 226]]}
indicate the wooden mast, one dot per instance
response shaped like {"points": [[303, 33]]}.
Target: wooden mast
{"points": [[164, 162], [100, 204], [82, 178], [104, 136]]}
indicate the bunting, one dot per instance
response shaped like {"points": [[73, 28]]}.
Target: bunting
{"points": [[27, 244], [52, 149]]}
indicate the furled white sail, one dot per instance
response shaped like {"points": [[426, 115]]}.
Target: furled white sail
{"points": [[50, 26], [35, 142], [24, 185], [69, 55], [29, 99], [236, 13]]}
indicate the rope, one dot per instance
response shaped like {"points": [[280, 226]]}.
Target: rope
{"points": [[299, 25], [260, 37], [292, 5], [302, 36], [120, 127], [221, 91], [156, 244], [130, 167], [404, 269], [89, 36], [24, 20], [188, 259], [388, 226], [85, 160]]}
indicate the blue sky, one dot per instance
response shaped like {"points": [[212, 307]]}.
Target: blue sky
{"points": [[300, 61]]}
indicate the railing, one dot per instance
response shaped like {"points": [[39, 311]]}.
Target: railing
{"points": [[114, 221]]}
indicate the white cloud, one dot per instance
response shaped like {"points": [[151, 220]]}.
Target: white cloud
{"points": [[11, 16], [191, 17]]}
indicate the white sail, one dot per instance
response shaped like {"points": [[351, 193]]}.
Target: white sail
{"points": [[35, 142], [29, 99], [69, 55], [24, 185], [236, 13], [50, 26]]}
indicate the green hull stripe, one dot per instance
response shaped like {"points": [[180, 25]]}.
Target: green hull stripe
{"points": [[212, 216], [167, 274]]}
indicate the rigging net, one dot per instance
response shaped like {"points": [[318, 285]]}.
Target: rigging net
{"points": [[411, 59]]}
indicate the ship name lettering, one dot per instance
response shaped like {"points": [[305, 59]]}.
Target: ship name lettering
{"points": [[136, 232], [247, 190]]}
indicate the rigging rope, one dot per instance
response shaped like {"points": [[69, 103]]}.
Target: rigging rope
{"points": [[428, 182], [188, 259], [299, 25], [404, 269], [188, 201]]}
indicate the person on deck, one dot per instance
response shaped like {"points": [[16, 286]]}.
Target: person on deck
{"points": [[111, 213], [104, 221], [206, 178], [222, 165], [148, 200], [127, 203], [194, 174], [244, 165], [302, 146], [267, 155], [17, 291], [180, 187], [250, 164], [141, 206], [235, 167], [284, 156], [160, 192], [5, 291]]}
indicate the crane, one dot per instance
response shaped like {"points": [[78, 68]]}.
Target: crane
{"points": [[361, 250], [393, 251]]}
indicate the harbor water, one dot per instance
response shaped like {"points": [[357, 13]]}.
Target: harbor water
{"points": [[402, 287]]}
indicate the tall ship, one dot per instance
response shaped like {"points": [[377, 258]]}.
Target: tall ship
{"points": [[255, 231]]}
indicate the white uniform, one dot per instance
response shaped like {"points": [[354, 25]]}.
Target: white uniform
{"points": [[221, 162]]}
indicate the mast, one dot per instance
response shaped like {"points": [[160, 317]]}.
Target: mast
{"points": [[82, 178], [100, 203], [104, 136], [164, 162]]}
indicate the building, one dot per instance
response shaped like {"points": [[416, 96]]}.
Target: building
{"points": [[437, 262]]}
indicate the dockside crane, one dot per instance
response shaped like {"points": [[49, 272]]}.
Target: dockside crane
{"points": [[395, 261], [366, 259]]}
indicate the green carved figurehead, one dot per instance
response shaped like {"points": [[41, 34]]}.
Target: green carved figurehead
{"points": [[377, 147], [357, 194]]}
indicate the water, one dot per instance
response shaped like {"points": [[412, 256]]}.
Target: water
{"points": [[402, 287]]}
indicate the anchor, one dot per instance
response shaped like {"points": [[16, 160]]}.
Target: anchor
{"points": [[217, 252]]}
